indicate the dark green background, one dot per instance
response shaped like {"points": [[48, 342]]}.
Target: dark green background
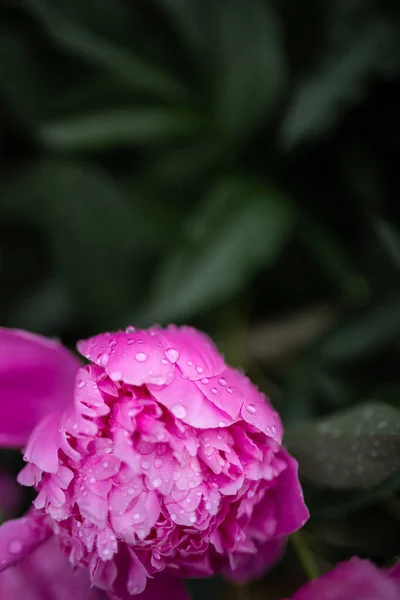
{"points": [[233, 164]]}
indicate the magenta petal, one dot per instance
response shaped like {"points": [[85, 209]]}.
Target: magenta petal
{"points": [[20, 537], [36, 376], [353, 580], [164, 587], [292, 513], [47, 574], [249, 567]]}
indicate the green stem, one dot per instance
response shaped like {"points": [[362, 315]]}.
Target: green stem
{"points": [[304, 555]]}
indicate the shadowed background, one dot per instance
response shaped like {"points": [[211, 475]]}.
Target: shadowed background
{"points": [[232, 164]]}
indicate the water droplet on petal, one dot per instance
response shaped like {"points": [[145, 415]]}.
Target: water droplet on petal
{"points": [[222, 381], [15, 547], [192, 518], [229, 390], [164, 361], [103, 360], [116, 375], [130, 341], [157, 482], [221, 424], [136, 516], [158, 463], [129, 329], [172, 355], [214, 390], [141, 356], [204, 381], [80, 384], [179, 411], [199, 369], [145, 464], [251, 408]]}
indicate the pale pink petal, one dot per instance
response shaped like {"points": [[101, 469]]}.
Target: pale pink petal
{"points": [[186, 402], [36, 376], [20, 537], [194, 352], [136, 357], [292, 513]]}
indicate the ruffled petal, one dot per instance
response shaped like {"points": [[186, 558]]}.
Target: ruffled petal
{"points": [[135, 357], [36, 376], [20, 537]]}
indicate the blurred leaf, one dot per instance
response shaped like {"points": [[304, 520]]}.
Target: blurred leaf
{"points": [[338, 504], [241, 227], [93, 231], [367, 533], [364, 335], [359, 48], [356, 448], [250, 65], [186, 18], [334, 260], [117, 128], [389, 237], [119, 61]]}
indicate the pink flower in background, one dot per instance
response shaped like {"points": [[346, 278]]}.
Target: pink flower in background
{"points": [[355, 579], [165, 461]]}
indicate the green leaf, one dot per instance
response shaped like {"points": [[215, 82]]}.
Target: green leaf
{"points": [[240, 228], [100, 51], [250, 67], [364, 335], [356, 448], [93, 232], [354, 56], [389, 238], [117, 128]]}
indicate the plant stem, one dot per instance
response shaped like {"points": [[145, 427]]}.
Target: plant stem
{"points": [[304, 555]]}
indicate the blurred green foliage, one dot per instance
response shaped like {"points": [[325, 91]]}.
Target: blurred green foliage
{"points": [[232, 164]]}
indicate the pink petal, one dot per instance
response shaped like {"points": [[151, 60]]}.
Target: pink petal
{"points": [[135, 358], [36, 376], [355, 579], [20, 537], [194, 352], [187, 403], [44, 443], [249, 567], [45, 574], [292, 513]]}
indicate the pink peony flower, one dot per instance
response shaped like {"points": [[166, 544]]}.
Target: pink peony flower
{"points": [[167, 461], [355, 579]]}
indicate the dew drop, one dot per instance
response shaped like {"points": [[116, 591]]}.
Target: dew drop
{"points": [[173, 516], [92, 480], [158, 463], [157, 482], [190, 364], [129, 329], [204, 381], [214, 390], [179, 411], [199, 369], [229, 390], [131, 491], [222, 381], [130, 341], [208, 505], [103, 360], [192, 518], [15, 547], [221, 424], [105, 464], [172, 355], [145, 464], [80, 384], [136, 516], [116, 375], [112, 343], [141, 356], [164, 361], [251, 409]]}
